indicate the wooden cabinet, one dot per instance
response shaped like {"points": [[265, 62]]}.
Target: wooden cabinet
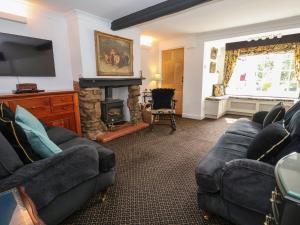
{"points": [[53, 108]]}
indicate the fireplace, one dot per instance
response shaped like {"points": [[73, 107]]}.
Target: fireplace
{"points": [[99, 112], [111, 109]]}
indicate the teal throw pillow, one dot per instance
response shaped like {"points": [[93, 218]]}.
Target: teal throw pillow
{"points": [[26, 118], [39, 142]]}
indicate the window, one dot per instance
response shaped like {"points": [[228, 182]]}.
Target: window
{"points": [[265, 75]]}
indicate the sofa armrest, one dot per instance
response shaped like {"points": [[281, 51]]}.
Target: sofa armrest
{"points": [[47, 178], [259, 116], [248, 183]]}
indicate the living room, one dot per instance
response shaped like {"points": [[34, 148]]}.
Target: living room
{"points": [[85, 86]]}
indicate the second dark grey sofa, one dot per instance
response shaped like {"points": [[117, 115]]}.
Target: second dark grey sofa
{"points": [[237, 188]]}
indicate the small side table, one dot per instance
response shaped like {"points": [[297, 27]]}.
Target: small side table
{"points": [[17, 208], [285, 198]]}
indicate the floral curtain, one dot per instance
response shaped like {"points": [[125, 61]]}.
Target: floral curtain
{"points": [[231, 57]]}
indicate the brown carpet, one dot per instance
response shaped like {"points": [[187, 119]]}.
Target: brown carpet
{"points": [[155, 182]]}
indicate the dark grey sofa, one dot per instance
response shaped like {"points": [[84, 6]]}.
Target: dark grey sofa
{"points": [[61, 184], [234, 187]]}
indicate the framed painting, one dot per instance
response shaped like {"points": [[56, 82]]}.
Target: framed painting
{"points": [[213, 53], [114, 55], [218, 90], [212, 67]]}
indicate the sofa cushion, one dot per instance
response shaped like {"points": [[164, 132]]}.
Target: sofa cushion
{"points": [[289, 114], [294, 124], [9, 160], [245, 127], [26, 118], [229, 147], [275, 114], [18, 140], [106, 156], [268, 143], [40, 143], [5, 112], [60, 135]]}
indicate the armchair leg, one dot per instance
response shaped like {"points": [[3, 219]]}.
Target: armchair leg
{"points": [[173, 122], [103, 195], [206, 215]]}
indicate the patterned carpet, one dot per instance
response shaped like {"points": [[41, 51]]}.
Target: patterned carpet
{"points": [[155, 181]]}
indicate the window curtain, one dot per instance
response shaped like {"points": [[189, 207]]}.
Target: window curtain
{"points": [[231, 57]]}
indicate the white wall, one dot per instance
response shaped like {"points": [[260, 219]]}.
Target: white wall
{"points": [[150, 65], [82, 26], [44, 25], [193, 64], [197, 80]]}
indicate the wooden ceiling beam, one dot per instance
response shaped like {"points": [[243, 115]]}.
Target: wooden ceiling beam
{"points": [[153, 12]]}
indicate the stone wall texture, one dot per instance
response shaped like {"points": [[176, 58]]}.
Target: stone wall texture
{"points": [[90, 112], [133, 104]]}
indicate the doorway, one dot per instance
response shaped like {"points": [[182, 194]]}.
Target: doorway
{"points": [[172, 74]]}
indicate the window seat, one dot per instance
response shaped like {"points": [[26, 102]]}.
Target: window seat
{"points": [[215, 107]]}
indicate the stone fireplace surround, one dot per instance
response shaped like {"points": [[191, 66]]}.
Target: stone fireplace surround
{"points": [[90, 97]]}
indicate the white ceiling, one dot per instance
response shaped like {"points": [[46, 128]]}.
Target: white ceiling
{"points": [[223, 14], [216, 15], [109, 9]]}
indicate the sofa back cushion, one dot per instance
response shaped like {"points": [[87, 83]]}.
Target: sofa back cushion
{"points": [[294, 124], [267, 144], [275, 114], [9, 160], [290, 113], [18, 140], [6, 112]]}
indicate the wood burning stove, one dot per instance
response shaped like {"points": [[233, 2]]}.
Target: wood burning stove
{"points": [[111, 109]]}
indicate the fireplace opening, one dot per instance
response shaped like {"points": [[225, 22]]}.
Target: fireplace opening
{"points": [[111, 109]]}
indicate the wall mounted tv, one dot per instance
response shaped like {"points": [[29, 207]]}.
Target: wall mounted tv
{"points": [[25, 56]]}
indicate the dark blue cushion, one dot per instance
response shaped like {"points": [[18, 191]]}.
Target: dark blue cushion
{"points": [[289, 114], [268, 143], [9, 160], [5, 112], [275, 114], [294, 124]]}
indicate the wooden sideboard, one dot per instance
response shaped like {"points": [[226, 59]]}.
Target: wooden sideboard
{"points": [[53, 108]]}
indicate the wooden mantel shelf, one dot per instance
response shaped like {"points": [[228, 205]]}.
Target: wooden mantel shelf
{"points": [[108, 82]]}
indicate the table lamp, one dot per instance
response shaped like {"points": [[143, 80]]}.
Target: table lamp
{"points": [[157, 78]]}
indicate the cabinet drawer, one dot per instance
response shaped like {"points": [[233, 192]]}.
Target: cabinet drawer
{"points": [[61, 99], [37, 106], [62, 108]]}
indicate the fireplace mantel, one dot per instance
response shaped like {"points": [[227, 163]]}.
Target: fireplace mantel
{"points": [[108, 82]]}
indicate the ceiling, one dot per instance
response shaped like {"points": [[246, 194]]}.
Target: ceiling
{"points": [[215, 15], [223, 14], [109, 9]]}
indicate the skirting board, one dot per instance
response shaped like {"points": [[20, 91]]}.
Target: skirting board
{"points": [[192, 116]]}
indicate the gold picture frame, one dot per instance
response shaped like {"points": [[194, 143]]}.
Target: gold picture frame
{"points": [[212, 67], [114, 55], [213, 53]]}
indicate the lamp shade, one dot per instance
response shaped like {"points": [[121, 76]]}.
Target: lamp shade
{"points": [[157, 77]]}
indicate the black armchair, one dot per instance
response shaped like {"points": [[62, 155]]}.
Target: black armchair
{"points": [[163, 106]]}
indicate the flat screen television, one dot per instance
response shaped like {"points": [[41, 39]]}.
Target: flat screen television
{"points": [[26, 56]]}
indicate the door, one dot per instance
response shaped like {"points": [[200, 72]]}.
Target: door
{"points": [[172, 74]]}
